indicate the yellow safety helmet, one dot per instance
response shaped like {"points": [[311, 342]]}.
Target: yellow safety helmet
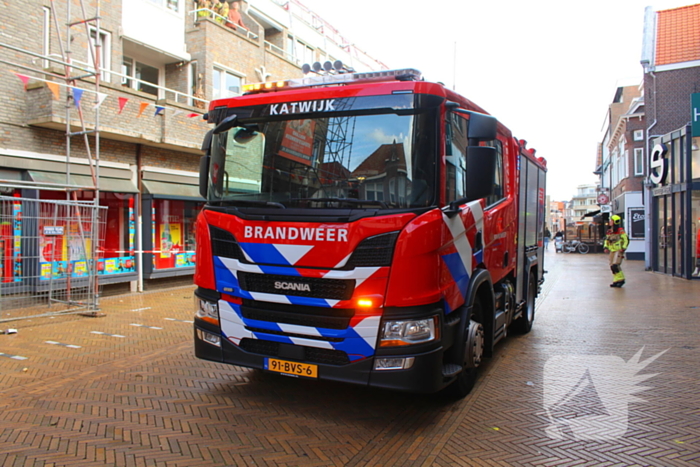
{"points": [[616, 219]]}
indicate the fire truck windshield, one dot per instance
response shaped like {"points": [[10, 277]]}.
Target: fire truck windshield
{"points": [[384, 161]]}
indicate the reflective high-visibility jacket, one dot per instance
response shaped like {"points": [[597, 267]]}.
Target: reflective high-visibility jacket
{"points": [[616, 239]]}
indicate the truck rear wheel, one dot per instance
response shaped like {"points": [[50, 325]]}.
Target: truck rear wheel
{"points": [[473, 353], [523, 324]]}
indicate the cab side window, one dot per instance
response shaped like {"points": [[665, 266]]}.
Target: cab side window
{"points": [[456, 161], [498, 182]]}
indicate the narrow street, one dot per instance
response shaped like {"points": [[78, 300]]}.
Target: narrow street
{"points": [[126, 390]]}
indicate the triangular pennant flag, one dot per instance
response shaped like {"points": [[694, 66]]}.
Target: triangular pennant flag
{"points": [[159, 109], [54, 89], [77, 95], [100, 99], [178, 112], [192, 115], [24, 78], [142, 107], [122, 103]]}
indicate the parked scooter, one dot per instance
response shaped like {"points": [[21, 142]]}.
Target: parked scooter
{"points": [[558, 244]]}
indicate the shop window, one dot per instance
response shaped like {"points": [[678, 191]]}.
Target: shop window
{"points": [[173, 233], [67, 249]]}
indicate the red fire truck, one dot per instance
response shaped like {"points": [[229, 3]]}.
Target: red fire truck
{"points": [[371, 228]]}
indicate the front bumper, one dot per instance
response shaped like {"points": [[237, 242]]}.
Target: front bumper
{"points": [[424, 376]]}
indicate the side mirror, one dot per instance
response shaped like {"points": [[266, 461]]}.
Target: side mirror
{"points": [[481, 171], [204, 176], [226, 124], [482, 127]]}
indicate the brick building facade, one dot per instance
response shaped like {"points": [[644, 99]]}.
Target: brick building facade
{"points": [[161, 62]]}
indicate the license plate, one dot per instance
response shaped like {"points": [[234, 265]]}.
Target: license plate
{"points": [[291, 368]]}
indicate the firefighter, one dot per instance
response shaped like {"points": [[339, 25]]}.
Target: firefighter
{"points": [[616, 242]]}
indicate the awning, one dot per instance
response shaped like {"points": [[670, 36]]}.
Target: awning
{"points": [[171, 190], [115, 185]]}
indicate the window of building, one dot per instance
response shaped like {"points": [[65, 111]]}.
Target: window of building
{"points": [[173, 5], [639, 161], [638, 135], [226, 83], [299, 51], [46, 36], [105, 52], [140, 76]]}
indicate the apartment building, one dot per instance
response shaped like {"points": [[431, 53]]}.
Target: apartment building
{"points": [[622, 164], [107, 98]]}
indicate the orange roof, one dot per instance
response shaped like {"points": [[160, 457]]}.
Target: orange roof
{"points": [[678, 35]]}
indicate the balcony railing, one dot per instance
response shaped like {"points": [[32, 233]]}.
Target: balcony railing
{"points": [[205, 13], [136, 83]]}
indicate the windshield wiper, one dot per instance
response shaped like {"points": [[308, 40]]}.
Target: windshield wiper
{"points": [[352, 201]]}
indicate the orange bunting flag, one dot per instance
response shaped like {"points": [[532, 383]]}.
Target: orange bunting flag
{"points": [[142, 107], [122, 103], [54, 89]]}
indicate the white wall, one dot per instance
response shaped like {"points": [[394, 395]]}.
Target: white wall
{"points": [[156, 26]]}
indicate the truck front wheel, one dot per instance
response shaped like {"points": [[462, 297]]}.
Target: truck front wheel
{"points": [[473, 353]]}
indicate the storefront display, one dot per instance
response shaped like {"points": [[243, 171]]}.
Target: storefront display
{"points": [[675, 209], [65, 243], [172, 233]]}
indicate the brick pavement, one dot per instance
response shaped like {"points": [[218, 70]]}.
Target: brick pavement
{"points": [[134, 395]]}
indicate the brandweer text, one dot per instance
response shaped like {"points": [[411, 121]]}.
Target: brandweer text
{"points": [[294, 233]]}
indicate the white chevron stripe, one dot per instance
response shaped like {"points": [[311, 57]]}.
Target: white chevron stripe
{"points": [[368, 329], [461, 242], [311, 343], [297, 329], [292, 253]]}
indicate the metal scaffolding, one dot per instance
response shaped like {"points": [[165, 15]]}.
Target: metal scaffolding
{"points": [[29, 225]]}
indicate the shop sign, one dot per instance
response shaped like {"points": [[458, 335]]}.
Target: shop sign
{"points": [[695, 113], [605, 208], [636, 217], [658, 164], [53, 230]]}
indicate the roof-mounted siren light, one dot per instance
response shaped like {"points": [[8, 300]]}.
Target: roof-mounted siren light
{"points": [[328, 66], [317, 67], [306, 68], [338, 65]]}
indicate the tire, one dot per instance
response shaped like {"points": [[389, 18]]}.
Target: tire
{"points": [[523, 325], [583, 248], [465, 381]]}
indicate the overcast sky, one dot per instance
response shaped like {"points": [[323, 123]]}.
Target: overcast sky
{"points": [[546, 69]]}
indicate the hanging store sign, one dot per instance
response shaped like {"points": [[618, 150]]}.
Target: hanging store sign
{"points": [[695, 113], [658, 164]]}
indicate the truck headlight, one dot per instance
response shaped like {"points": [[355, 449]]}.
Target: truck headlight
{"points": [[408, 331], [206, 311]]}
